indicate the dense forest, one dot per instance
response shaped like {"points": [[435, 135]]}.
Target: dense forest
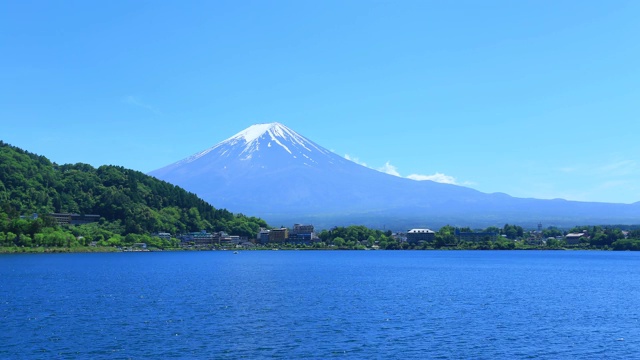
{"points": [[127, 201]]}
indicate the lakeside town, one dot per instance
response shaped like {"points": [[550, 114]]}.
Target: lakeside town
{"points": [[305, 236]]}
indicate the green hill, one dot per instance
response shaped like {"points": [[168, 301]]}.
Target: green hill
{"points": [[128, 201]]}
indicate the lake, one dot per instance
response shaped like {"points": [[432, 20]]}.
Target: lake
{"points": [[321, 304]]}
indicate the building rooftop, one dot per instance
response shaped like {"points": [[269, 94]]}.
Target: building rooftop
{"points": [[575, 234], [416, 231]]}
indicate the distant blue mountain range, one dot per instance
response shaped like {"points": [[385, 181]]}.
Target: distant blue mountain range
{"points": [[270, 171]]}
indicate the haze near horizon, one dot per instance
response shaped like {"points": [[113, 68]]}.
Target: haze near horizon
{"points": [[533, 99]]}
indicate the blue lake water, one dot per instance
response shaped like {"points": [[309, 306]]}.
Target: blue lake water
{"points": [[321, 304]]}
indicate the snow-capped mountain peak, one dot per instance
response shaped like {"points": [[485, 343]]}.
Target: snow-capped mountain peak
{"points": [[271, 137], [254, 132], [273, 134]]}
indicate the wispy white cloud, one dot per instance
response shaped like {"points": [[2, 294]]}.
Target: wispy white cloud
{"points": [[437, 177], [612, 179], [619, 168], [355, 160], [132, 100], [389, 169], [612, 168], [615, 184]]}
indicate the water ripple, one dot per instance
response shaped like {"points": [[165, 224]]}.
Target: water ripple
{"points": [[318, 305]]}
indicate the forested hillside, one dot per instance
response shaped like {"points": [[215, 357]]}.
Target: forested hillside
{"points": [[128, 201]]}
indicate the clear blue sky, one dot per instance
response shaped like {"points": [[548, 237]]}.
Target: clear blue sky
{"points": [[531, 98]]}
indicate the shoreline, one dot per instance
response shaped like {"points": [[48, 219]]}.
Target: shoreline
{"points": [[80, 250]]}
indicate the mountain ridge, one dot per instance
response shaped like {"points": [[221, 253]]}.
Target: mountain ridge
{"points": [[271, 170]]}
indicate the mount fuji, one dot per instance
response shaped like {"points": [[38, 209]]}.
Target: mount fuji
{"points": [[269, 170]]}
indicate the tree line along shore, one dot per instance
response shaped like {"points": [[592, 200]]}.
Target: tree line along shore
{"points": [[42, 235]]}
